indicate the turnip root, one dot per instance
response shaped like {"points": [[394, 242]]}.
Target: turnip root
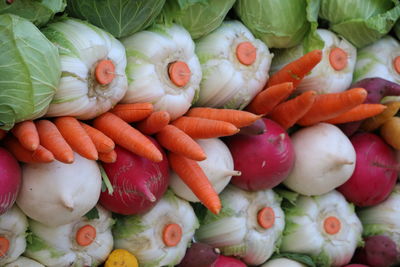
{"points": [[218, 168], [138, 183], [24, 262], [10, 180], [199, 255], [378, 250], [264, 160], [56, 193], [13, 225], [325, 159], [375, 173], [85, 242]]}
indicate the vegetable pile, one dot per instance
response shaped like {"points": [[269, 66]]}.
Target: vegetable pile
{"points": [[199, 133]]}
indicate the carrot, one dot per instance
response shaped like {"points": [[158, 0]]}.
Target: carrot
{"points": [[200, 128], [375, 122], [2, 134], [4, 246], [390, 132], [172, 234], [266, 217], [24, 155], [338, 58], [104, 72], [108, 157], [176, 140], [265, 101], [296, 70], [126, 136], [102, 142], [27, 134], [85, 235], [179, 73], [51, 138], [396, 64], [194, 177], [358, 113], [239, 118], [328, 106], [246, 53], [154, 123], [133, 112], [76, 137], [332, 225], [289, 112]]}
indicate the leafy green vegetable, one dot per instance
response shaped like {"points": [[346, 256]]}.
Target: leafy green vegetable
{"points": [[361, 22], [38, 12], [127, 226], [266, 21], [302, 258], [199, 17], [119, 17], [35, 244], [92, 214], [29, 71]]}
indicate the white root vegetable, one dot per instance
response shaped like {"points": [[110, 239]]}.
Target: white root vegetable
{"points": [[24, 262], [56, 193], [58, 246], [218, 168], [325, 159], [282, 262], [13, 225]]}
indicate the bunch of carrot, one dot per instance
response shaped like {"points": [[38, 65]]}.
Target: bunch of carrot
{"points": [[279, 102]]}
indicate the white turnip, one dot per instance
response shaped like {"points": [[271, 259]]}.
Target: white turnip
{"points": [[10, 180]]}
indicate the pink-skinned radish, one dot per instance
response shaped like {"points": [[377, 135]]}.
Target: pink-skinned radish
{"points": [[224, 261], [10, 180], [138, 183], [375, 173], [199, 255], [264, 160]]}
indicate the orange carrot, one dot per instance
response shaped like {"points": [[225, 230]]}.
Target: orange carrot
{"points": [[27, 134], [133, 112], [328, 106], [200, 128], [358, 113], [102, 142], [172, 234], [51, 138], [108, 157], [76, 137], [176, 140], [296, 70], [289, 112], [266, 217], [246, 53], [194, 177], [338, 59], [4, 246], [104, 71], [179, 73], [239, 118], [2, 134], [85, 235], [265, 101], [126, 136], [332, 225], [154, 123], [24, 155]]}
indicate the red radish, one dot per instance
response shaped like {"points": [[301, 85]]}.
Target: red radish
{"points": [[199, 255], [10, 180], [356, 265], [224, 261], [264, 160], [379, 250], [375, 173], [138, 182]]}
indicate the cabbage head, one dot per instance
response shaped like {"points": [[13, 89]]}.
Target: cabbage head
{"points": [[119, 17], [39, 12], [280, 23], [361, 22], [29, 71], [198, 17]]}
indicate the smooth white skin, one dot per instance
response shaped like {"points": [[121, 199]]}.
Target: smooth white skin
{"points": [[309, 236], [376, 60], [74, 96], [148, 246], [282, 262], [13, 225], [62, 239], [323, 78], [149, 54], [57, 193], [218, 167], [24, 262], [240, 234], [227, 82], [324, 159]]}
